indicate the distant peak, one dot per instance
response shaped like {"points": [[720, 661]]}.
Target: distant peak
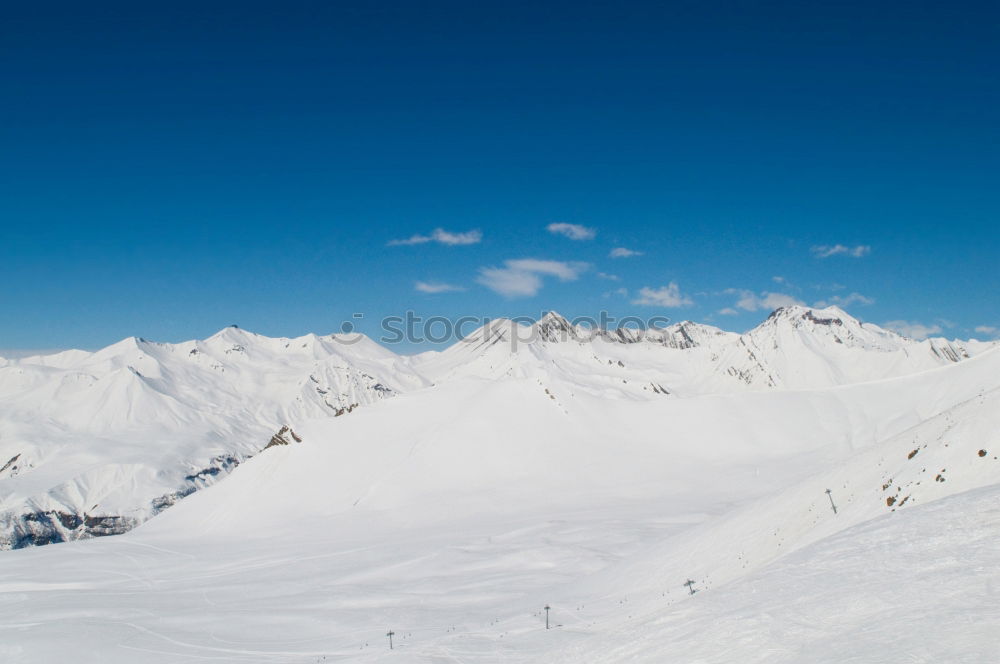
{"points": [[553, 317], [553, 327], [831, 315], [232, 332]]}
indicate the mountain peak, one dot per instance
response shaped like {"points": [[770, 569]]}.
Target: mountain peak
{"points": [[553, 317], [830, 323], [553, 327], [831, 316], [232, 334]]}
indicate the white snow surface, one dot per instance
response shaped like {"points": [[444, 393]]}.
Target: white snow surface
{"points": [[501, 479]]}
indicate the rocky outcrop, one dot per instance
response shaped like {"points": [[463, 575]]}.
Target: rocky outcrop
{"points": [[51, 526], [282, 437]]}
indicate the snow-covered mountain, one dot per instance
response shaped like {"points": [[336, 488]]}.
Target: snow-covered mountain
{"points": [[96, 443], [515, 478], [798, 347]]}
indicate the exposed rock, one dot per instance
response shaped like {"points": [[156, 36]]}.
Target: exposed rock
{"points": [[13, 468], [282, 437]]}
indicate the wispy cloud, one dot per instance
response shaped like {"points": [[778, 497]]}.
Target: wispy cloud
{"points": [[665, 296], [845, 300], [622, 252], [572, 231], [912, 329], [988, 329], [523, 277], [827, 250], [609, 277], [441, 236], [750, 301], [729, 311], [436, 287]]}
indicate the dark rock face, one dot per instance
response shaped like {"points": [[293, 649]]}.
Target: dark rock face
{"points": [[337, 412], [51, 526], [281, 438], [822, 321], [10, 464]]}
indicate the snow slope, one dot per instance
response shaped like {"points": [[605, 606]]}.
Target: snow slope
{"points": [[920, 586]]}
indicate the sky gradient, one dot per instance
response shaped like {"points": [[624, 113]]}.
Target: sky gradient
{"points": [[169, 170]]}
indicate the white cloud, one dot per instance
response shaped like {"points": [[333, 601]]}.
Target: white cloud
{"points": [[729, 311], [523, 277], [845, 300], [912, 329], [621, 292], [665, 296], [609, 277], [572, 231], [622, 252], [988, 329], [509, 283], [750, 301], [564, 271], [778, 280], [775, 300], [436, 287], [827, 250], [442, 236]]}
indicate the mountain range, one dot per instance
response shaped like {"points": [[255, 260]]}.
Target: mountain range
{"points": [[97, 443], [816, 489]]}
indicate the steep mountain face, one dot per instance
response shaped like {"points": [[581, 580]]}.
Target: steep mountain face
{"points": [[96, 443]]}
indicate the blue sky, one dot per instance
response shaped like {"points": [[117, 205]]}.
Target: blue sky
{"points": [[170, 170]]}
